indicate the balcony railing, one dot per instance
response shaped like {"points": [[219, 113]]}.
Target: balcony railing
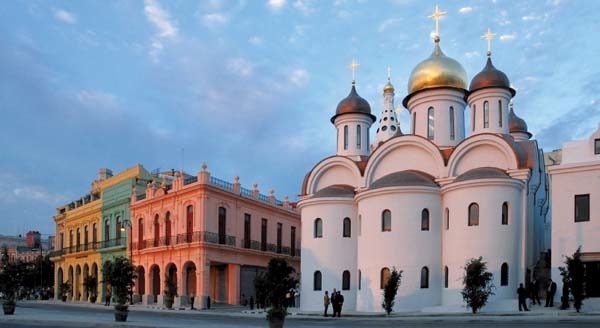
{"points": [[113, 242], [190, 180]]}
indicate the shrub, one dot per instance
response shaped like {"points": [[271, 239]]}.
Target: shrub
{"points": [[477, 282]]}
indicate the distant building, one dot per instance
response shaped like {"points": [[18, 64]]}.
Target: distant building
{"points": [[26, 248]]}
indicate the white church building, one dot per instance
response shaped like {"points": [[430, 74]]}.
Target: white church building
{"points": [[428, 199]]}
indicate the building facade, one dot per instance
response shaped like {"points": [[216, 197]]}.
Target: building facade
{"points": [[427, 200], [575, 204], [209, 237]]}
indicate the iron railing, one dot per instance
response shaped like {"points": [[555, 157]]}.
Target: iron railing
{"points": [[221, 183]]}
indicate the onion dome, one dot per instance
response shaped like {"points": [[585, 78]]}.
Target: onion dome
{"points": [[437, 71], [388, 88], [515, 123], [490, 77], [353, 104]]}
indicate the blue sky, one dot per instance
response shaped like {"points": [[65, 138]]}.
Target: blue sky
{"points": [[249, 86]]}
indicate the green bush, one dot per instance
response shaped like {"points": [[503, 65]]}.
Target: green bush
{"points": [[477, 282]]}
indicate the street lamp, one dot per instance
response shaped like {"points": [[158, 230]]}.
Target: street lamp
{"points": [[127, 224]]}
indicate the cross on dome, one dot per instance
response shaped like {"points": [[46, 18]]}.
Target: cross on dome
{"points": [[436, 15], [353, 66], [489, 36]]}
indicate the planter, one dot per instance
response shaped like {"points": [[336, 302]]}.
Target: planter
{"points": [[64, 298], [93, 299], [121, 316], [169, 301], [9, 308], [276, 323]]}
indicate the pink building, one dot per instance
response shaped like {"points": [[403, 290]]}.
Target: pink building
{"points": [[209, 236]]}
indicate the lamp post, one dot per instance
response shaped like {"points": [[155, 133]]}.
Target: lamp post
{"points": [[127, 224]]}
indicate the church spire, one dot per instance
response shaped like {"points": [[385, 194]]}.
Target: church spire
{"points": [[389, 126]]}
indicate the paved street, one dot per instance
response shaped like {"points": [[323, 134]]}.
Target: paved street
{"points": [[59, 315]]}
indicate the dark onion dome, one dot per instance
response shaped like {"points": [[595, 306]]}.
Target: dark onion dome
{"points": [[338, 190], [353, 104], [516, 124], [404, 179], [482, 173], [490, 77]]}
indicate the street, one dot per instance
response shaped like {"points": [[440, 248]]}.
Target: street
{"points": [[51, 315]]}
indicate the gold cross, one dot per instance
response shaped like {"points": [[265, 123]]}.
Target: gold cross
{"points": [[437, 14], [489, 36], [353, 66]]}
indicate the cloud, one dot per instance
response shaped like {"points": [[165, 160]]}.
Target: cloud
{"points": [[275, 4], [240, 67], [508, 37], [304, 6], [161, 21], [97, 100], [472, 54], [255, 40], [299, 77], [465, 10], [215, 19], [13, 189], [65, 16], [530, 18], [387, 24]]}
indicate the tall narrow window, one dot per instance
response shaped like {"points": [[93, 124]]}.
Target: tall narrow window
{"points": [[359, 279], [140, 230], [222, 225], [473, 214], [430, 123], [500, 113], [486, 114], [168, 228], [189, 223], [358, 137], [345, 137], [346, 280], [386, 220], [425, 220], [94, 234], [107, 230], [78, 237], [293, 241], [346, 228], [263, 234], [414, 123], [85, 236], [317, 280], [452, 136], [424, 277], [156, 230], [118, 228], [279, 236], [596, 146], [447, 219], [582, 208], [504, 274], [70, 238], [359, 224], [505, 213], [446, 277], [318, 228], [247, 226], [62, 240], [384, 277], [473, 117]]}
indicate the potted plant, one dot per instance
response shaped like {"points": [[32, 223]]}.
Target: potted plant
{"points": [[90, 283], [277, 281], [64, 289], [119, 273], [11, 278], [170, 292]]}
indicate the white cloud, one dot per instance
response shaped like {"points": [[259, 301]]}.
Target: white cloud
{"points": [[530, 18], [304, 6], [161, 21], [387, 24], [240, 67], [12, 189], [276, 4], [472, 54], [299, 77], [97, 100], [214, 19], [65, 16], [465, 10], [255, 40], [508, 37]]}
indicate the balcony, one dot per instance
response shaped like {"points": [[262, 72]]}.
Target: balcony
{"points": [[113, 242]]}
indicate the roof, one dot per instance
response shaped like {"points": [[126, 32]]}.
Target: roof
{"points": [[404, 178], [353, 104], [490, 77], [338, 190], [482, 173]]}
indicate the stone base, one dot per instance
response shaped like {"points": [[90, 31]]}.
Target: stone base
{"points": [[160, 300], [137, 298], [181, 301], [148, 299]]}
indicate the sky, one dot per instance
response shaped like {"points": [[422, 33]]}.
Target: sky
{"points": [[249, 86]]}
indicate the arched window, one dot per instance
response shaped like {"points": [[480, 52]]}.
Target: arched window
{"points": [[452, 123], [140, 230], [473, 117], [358, 137], [359, 279], [345, 137], [318, 229], [424, 277], [445, 277], [222, 225], [473, 214], [106, 230], [447, 219], [430, 123], [118, 228], [425, 220], [168, 228], [347, 228], [189, 223], [504, 274], [414, 123], [156, 230], [505, 213], [500, 113], [486, 114], [384, 277], [317, 280], [346, 280], [386, 220]]}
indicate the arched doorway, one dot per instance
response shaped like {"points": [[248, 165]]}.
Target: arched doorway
{"points": [[140, 283], [77, 284], [171, 270], [95, 274], [59, 281], [155, 276], [86, 273], [189, 279], [70, 280]]}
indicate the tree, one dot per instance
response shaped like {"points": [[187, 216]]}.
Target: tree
{"points": [[390, 290], [11, 279], [278, 280], [477, 282], [260, 290], [170, 290], [574, 275], [120, 274], [90, 283]]}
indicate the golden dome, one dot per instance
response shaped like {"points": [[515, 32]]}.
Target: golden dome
{"points": [[388, 87], [436, 71]]}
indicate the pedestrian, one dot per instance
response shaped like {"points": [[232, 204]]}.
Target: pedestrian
{"points": [[535, 292], [326, 302], [565, 295], [522, 292], [340, 300], [251, 302], [192, 297], [334, 302], [550, 294], [108, 295]]}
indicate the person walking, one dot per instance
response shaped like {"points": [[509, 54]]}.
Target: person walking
{"points": [[326, 302], [522, 292], [108, 295], [340, 300], [535, 292], [551, 292], [334, 302]]}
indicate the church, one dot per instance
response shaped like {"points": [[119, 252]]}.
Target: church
{"points": [[466, 180]]}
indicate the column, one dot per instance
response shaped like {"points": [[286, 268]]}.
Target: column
{"points": [[202, 283], [233, 284], [182, 299], [148, 297]]}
